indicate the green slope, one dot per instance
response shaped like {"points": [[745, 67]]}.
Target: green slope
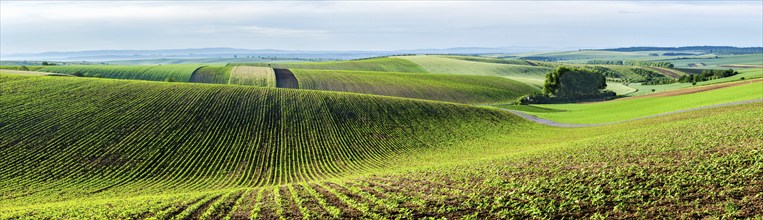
{"points": [[375, 64], [442, 64], [86, 148], [751, 73], [625, 109], [442, 87], [690, 162], [177, 72], [82, 135]]}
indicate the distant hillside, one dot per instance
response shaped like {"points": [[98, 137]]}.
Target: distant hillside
{"points": [[720, 50]]}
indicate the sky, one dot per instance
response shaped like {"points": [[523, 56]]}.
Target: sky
{"points": [[37, 26]]}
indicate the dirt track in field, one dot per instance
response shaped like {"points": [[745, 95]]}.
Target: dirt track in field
{"points": [[286, 79], [564, 125]]}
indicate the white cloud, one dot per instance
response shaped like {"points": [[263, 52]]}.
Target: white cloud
{"points": [[43, 26]]}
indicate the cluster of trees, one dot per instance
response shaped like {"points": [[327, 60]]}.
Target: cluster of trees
{"points": [[569, 84], [633, 63], [707, 75]]}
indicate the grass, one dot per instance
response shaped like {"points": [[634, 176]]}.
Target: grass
{"points": [[620, 110], [442, 87], [376, 64]]}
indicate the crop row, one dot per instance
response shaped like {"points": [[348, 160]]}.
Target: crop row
{"points": [[589, 178], [107, 136], [176, 72]]}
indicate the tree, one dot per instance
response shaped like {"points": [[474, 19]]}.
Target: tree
{"points": [[571, 83]]}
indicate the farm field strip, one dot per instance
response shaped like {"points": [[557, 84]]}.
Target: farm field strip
{"points": [[177, 72], [442, 87], [253, 76], [625, 109], [441, 64], [390, 64]]}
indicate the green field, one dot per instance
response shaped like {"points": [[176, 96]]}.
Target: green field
{"points": [[178, 72], [442, 87], [721, 61], [751, 73], [444, 64], [162, 150], [620, 89], [375, 64], [252, 76], [582, 57], [212, 74], [620, 110]]}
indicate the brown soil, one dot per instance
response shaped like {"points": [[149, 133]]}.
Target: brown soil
{"points": [[290, 209], [286, 79], [347, 211]]}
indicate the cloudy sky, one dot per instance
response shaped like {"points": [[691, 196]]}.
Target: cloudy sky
{"points": [[374, 25]]}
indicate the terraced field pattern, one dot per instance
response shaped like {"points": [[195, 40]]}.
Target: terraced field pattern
{"points": [[384, 138]]}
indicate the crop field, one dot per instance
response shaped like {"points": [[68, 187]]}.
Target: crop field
{"points": [[442, 87], [164, 154], [485, 59], [442, 64], [253, 76], [169, 134], [625, 109], [721, 62], [620, 89], [582, 57], [374, 109], [179, 72], [211, 74], [750, 73], [376, 64]]}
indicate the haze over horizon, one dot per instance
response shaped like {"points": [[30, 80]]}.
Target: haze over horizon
{"points": [[34, 27]]}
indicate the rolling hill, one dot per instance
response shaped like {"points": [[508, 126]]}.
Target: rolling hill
{"points": [[99, 148], [78, 136], [442, 87], [631, 108], [374, 64]]}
